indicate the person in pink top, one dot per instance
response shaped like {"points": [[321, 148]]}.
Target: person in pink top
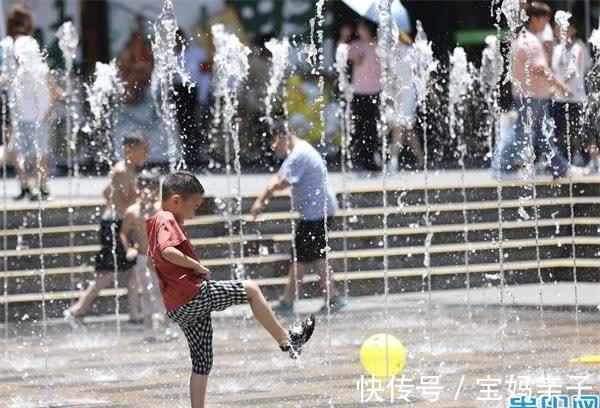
{"points": [[189, 293], [533, 84], [366, 85]]}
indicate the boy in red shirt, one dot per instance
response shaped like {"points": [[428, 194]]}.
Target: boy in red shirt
{"points": [[189, 294]]}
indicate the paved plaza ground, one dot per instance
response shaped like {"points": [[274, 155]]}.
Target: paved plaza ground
{"points": [[462, 346]]}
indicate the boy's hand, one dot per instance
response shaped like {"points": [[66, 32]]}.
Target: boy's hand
{"points": [[203, 271], [131, 254]]}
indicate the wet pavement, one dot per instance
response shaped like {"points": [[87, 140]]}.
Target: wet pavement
{"points": [[458, 355]]}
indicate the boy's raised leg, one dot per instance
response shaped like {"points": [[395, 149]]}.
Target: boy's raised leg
{"points": [[263, 313], [289, 340], [198, 384]]}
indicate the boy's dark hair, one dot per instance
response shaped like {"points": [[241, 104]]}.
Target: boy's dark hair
{"points": [[182, 183], [19, 21], [134, 138], [148, 179], [278, 128], [538, 9]]}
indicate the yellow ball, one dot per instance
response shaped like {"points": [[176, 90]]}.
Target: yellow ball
{"points": [[373, 355]]}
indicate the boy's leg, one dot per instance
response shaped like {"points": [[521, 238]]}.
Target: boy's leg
{"points": [[289, 293], [198, 384], [102, 281], [133, 296], [263, 313], [144, 281], [198, 334]]}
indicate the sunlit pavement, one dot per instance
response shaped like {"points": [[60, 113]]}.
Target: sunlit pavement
{"points": [[456, 349]]}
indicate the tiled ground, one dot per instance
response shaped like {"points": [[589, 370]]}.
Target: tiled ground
{"points": [[95, 367]]}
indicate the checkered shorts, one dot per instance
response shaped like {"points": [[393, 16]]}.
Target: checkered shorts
{"points": [[194, 318]]}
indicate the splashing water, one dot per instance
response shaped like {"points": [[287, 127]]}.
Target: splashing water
{"points": [[345, 88], [30, 85], [230, 71], [561, 18], [103, 96], [424, 64], [276, 93], [492, 67], [491, 64], [7, 68], [490, 73], [68, 41], [461, 83], [314, 50], [515, 16], [595, 38], [167, 66], [387, 45], [280, 50]]}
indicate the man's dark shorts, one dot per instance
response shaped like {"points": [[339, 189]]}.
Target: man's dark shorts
{"points": [[109, 241], [310, 240]]}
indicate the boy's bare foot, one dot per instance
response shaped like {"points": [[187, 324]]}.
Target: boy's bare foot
{"points": [[298, 336]]}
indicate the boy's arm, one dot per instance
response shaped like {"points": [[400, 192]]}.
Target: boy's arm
{"points": [[126, 227], [276, 183], [178, 258]]}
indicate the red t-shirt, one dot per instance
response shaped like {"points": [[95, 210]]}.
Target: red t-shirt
{"points": [[177, 284]]}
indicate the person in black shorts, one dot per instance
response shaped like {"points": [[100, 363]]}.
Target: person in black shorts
{"points": [[304, 171], [120, 192]]}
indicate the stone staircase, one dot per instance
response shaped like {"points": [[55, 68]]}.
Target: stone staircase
{"points": [[357, 251]]}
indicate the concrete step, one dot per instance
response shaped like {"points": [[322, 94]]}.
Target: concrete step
{"points": [[218, 247], [358, 195], [276, 264], [400, 280], [356, 218]]}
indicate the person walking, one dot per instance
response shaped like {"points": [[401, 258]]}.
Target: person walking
{"points": [[366, 85], [569, 63], [305, 173], [533, 84]]}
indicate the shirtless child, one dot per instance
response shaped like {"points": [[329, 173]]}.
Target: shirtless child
{"points": [[119, 193], [133, 236]]}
